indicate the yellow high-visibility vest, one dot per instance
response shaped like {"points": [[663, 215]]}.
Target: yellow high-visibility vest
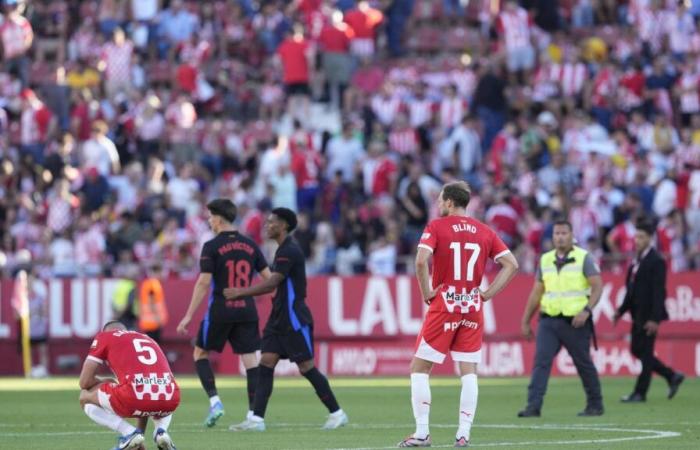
{"points": [[566, 291]]}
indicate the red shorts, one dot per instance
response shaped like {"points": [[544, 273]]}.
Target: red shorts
{"points": [[123, 401], [457, 333]]}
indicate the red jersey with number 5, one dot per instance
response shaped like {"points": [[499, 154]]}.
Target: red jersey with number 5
{"points": [[461, 247], [138, 362]]}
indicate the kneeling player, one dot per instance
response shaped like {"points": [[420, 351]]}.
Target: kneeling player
{"points": [[145, 386]]}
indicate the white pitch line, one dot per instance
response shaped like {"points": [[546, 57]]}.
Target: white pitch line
{"points": [[646, 435]]}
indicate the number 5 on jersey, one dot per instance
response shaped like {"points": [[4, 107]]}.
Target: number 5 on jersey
{"points": [[145, 346]]}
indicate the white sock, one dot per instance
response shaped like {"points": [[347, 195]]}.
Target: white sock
{"points": [[337, 413], [107, 419], [249, 414], [214, 400], [255, 418], [420, 399], [467, 404], [163, 423]]}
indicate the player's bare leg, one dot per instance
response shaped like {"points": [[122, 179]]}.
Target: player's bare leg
{"points": [[336, 417], [467, 402], [131, 437], [206, 377], [420, 401], [250, 363], [266, 371]]}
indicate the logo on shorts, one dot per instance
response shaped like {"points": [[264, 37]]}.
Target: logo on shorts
{"points": [[94, 343], [153, 386], [140, 413], [451, 326], [465, 301]]}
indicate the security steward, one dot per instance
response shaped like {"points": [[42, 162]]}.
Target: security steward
{"points": [[567, 287]]}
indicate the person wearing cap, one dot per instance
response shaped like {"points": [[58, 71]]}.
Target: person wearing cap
{"points": [[645, 301], [288, 333], [567, 288]]}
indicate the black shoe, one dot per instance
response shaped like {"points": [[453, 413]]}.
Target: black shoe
{"points": [[673, 385], [591, 411], [633, 398], [529, 412]]}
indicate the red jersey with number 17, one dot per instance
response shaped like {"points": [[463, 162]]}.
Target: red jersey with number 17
{"points": [[461, 247]]}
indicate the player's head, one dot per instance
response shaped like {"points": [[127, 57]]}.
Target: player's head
{"points": [[562, 234], [114, 325], [222, 212], [454, 196], [280, 220], [644, 233]]}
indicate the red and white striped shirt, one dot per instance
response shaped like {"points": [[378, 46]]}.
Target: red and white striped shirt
{"points": [[603, 85], [385, 108], [688, 83], [571, 76], [403, 141], [118, 61], [515, 27], [420, 111], [16, 35], [451, 111]]}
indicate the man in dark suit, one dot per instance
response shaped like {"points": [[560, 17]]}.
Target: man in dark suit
{"points": [[645, 297]]}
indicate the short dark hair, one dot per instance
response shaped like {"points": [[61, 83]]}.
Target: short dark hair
{"points": [[114, 324], [223, 207], [459, 192], [562, 221], [287, 216], [647, 225]]}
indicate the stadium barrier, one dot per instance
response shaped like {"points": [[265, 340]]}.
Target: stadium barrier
{"points": [[367, 326]]}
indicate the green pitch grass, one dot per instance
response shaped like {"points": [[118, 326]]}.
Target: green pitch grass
{"points": [[44, 414]]}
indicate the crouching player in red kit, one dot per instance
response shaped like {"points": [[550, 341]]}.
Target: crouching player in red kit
{"points": [[460, 247], [145, 386]]}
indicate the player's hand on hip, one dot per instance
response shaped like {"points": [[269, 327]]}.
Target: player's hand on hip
{"points": [[580, 319], [484, 297], [651, 327], [182, 326], [431, 295], [526, 330], [231, 293]]}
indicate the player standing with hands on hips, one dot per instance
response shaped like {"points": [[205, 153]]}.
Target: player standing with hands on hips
{"points": [[460, 247]]}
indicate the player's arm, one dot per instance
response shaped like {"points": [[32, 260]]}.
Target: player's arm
{"points": [[509, 267], [265, 274], [268, 285], [423, 274], [88, 375], [201, 288]]}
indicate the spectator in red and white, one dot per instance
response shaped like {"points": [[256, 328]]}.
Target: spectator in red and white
{"points": [[337, 63], [680, 26], [90, 246], [149, 125], [99, 152], [84, 43], [296, 57], [181, 118], [115, 61], [671, 240], [343, 153], [62, 254], [600, 94], [379, 171], [251, 220], [403, 138], [583, 219], [306, 167], [631, 88], [16, 37], [687, 90], [364, 21], [183, 189], [515, 28], [503, 218], [37, 124], [175, 27], [61, 206], [386, 105], [452, 108], [365, 82]]}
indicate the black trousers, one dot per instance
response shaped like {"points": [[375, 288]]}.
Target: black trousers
{"points": [[642, 347], [552, 334]]}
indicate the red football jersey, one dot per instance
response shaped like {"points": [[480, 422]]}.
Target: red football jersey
{"points": [[136, 360], [461, 247]]}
